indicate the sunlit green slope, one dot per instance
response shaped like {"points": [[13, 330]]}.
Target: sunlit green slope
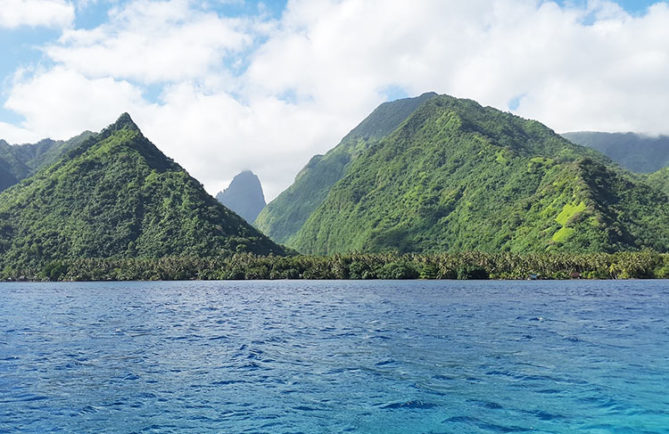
{"points": [[20, 161], [660, 179], [286, 214], [117, 195], [457, 176]]}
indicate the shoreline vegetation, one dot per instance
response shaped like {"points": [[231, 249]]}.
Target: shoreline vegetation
{"points": [[461, 266]]}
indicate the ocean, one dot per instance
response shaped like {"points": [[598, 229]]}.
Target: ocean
{"points": [[335, 356]]}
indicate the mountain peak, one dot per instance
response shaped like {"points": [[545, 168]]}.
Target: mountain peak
{"points": [[126, 199], [244, 195], [447, 174], [314, 181], [124, 121], [387, 117], [245, 175]]}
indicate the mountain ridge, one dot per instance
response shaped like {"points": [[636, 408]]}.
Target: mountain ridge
{"points": [[457, 176], [282, 217], [17, 162], [114, 196], [636, 152]]}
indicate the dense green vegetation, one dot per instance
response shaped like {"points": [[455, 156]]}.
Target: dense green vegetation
{"points": [[416, 186], [117, 196], [244, 196], [660, 180], [285, 215], [472, 265], [20, 161], [632, 151], [456, 176]]}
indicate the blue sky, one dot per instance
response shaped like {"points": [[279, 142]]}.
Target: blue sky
{"points": [[632, 6], [22, 46], [228, 85]]}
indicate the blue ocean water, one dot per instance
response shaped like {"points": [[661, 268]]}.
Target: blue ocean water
{"points": [[378, 357]]}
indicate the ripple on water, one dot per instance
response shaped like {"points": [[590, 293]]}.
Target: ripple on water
{"points": [[334, 356], [409, 405]]}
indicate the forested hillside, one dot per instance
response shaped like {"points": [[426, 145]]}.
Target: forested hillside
{"points": [[116, 195], [456, 176]]}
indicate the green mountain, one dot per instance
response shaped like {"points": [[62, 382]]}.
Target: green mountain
{"points": [[456, 176], [7, 164], [286, 214], [20, 161], [660, 179], [244, 196], [635, 152], [114, 196]]}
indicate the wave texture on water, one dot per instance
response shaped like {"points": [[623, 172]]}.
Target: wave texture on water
{"points": [[300, 356]]}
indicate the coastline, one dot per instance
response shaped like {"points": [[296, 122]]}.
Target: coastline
{"points": [[380, 266]]}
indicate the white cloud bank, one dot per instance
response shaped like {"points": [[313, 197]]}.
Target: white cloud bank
{"points": [[153, 42], [237, 93], [35, 13]]}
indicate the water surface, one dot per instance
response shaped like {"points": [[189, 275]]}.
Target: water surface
{"points": [[304, 356]]}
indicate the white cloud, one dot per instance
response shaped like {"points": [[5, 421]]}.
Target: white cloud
{"points": [[34, 13], [214, 136], [61, 103], [17, 135], [211, 134], [326, 64], [150, 41], [572, 65]]}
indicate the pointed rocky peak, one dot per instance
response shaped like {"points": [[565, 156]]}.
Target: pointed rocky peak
{"points": [[153, 156], [125, 121], [118, 138], [246, 177], [244, 196], [126, 199]]}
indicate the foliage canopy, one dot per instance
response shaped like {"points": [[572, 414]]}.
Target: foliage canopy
{"points": [[455, 176], [117, 196]]}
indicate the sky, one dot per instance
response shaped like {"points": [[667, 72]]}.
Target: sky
{"points": [[223, 86]]}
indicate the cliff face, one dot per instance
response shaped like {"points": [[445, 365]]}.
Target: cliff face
{"points": [[244, 196]]}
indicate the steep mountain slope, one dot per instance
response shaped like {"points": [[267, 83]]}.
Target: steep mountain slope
{"points": [[634, 152], [457, 176], [117, 195], [286, 214], [20, 161], [244, 196], [9, 166], [660, 180]]}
